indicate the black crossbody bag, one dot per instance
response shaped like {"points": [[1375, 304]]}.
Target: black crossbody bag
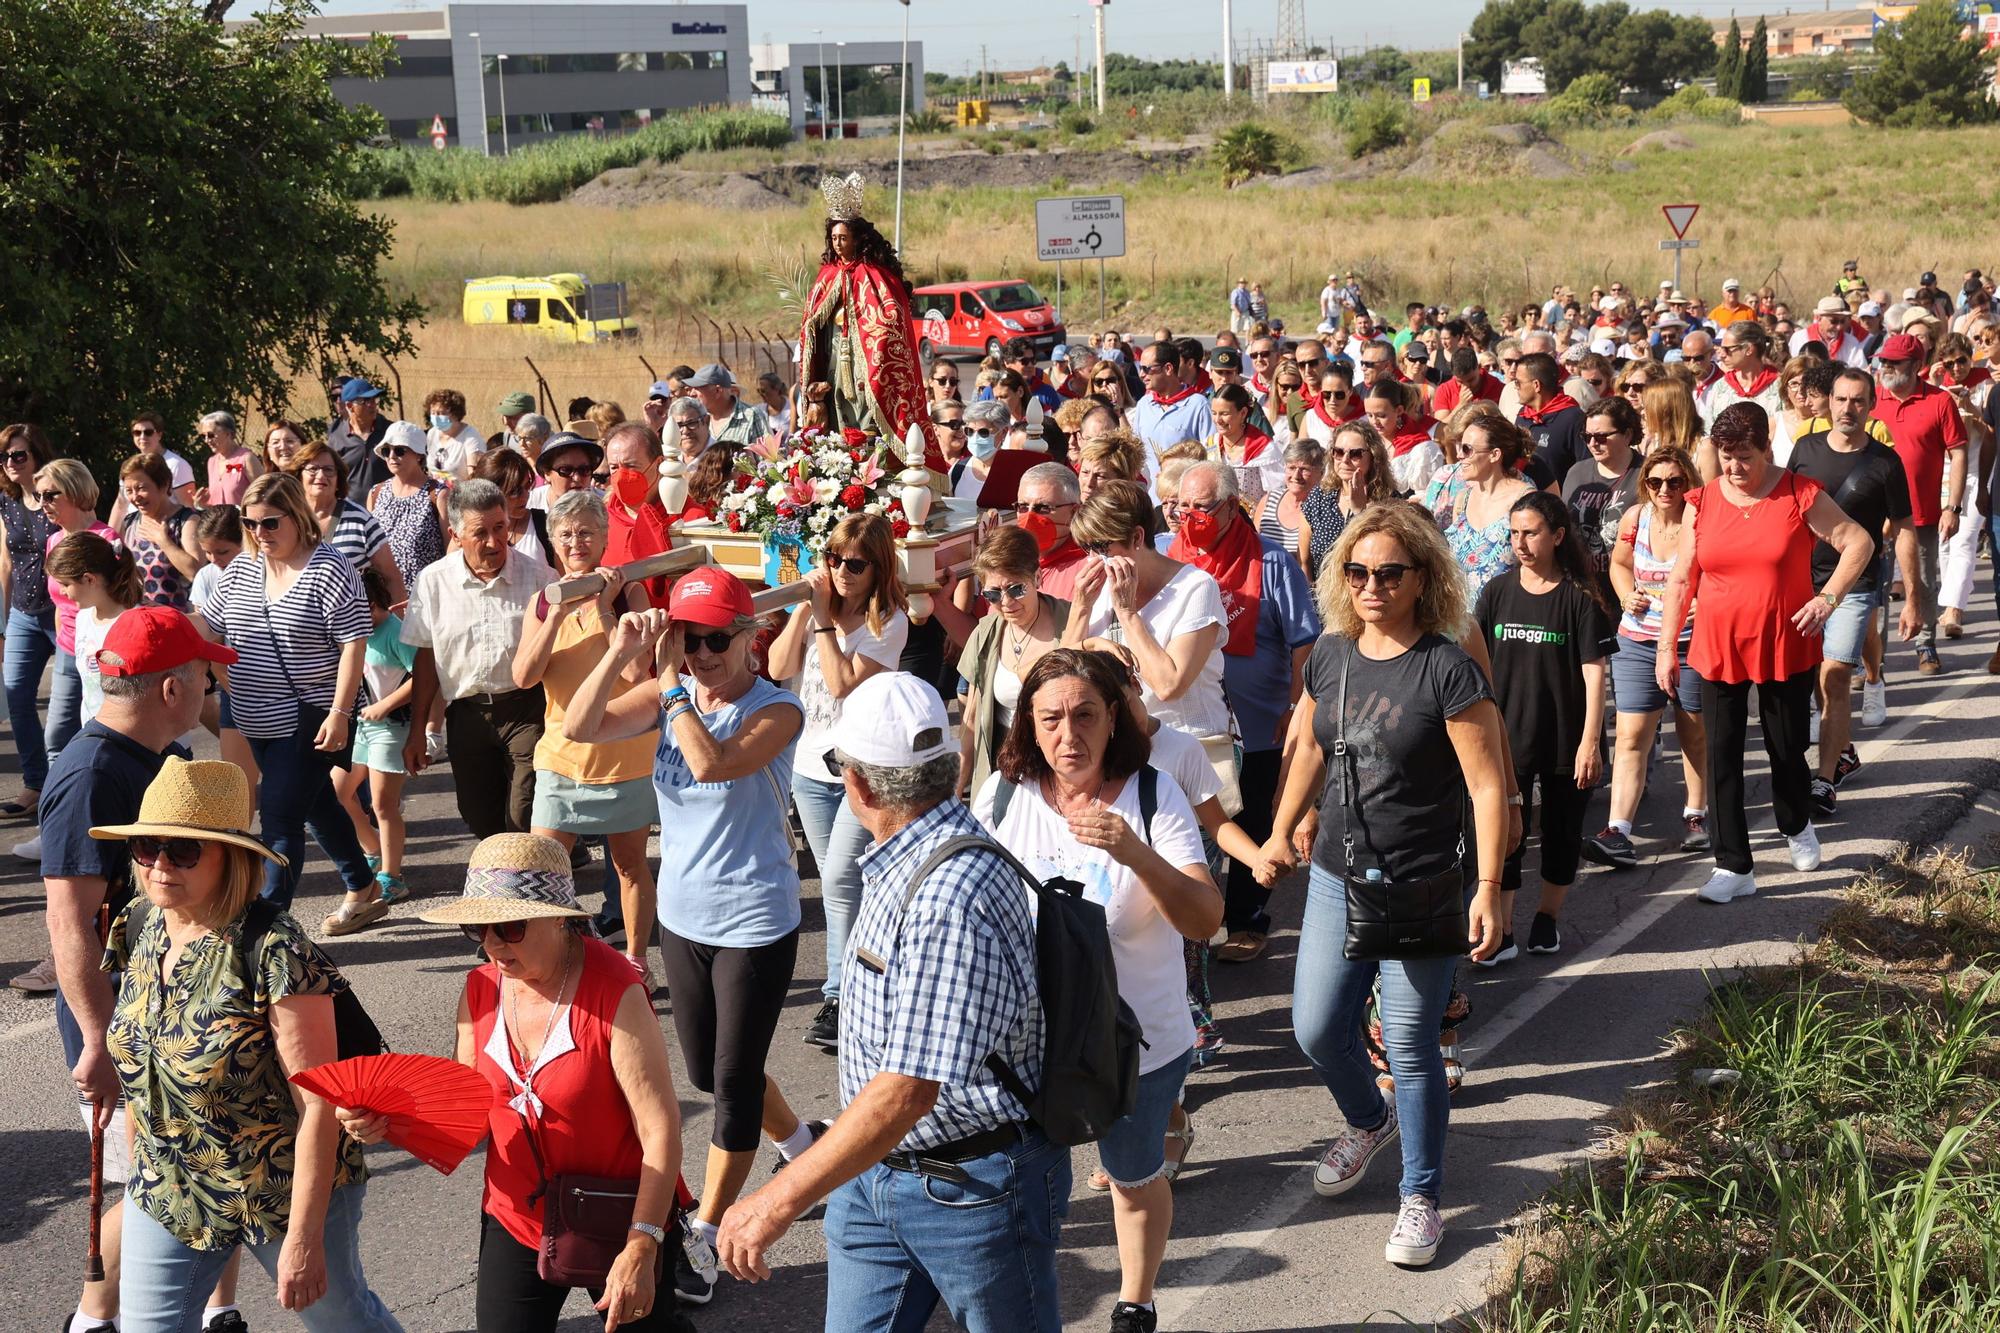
{"points": [[1389, 921]]}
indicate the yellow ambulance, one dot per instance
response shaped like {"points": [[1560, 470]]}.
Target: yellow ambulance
{"points": [[567, 307]]}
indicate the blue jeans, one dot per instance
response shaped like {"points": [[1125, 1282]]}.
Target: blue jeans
{"points": [[837, 841], [294, 795], [31, 642], [163, 1285], [897, 1243], [1329, 994], [1133, 1148]]}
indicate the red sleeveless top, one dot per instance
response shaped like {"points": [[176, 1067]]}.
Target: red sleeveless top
{"points": [[583, 1125], [1753, 571]]}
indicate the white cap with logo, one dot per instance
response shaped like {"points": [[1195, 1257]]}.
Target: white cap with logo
{"points": [[893, 720]]}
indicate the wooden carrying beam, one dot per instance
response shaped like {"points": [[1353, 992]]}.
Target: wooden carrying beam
{"points": [[677, 561]]}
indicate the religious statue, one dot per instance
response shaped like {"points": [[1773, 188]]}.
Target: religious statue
{"points": [[855, 339]]}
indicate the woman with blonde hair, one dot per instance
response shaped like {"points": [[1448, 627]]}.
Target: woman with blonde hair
{"points": [[1668, 412], [1795, 414], [1472, 497], [856, 625], [1357, 474], [1117, 455], [1395, 783], [68, 494]]}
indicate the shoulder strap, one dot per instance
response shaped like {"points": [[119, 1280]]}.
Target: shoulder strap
{"points": [[1340, 755], [1003, 796], [954, 847], [1149, 801], [140, 911]]}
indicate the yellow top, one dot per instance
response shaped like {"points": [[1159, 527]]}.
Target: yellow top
{"points": [[579, 647]]}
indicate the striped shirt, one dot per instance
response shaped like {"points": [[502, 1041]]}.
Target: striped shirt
{"points": [[1270, 525], [288, 650], [356, 535], [960, 982]]}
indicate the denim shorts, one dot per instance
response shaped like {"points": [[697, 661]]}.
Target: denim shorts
{"points": [[1133, 1152], [1847, 627], [378, 746], [591, 809], [1636, 688]]}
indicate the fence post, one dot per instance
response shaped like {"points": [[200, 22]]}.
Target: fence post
{"points": [[652, 375], [542, 390]]}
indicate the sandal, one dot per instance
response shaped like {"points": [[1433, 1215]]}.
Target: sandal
{"points": [[1185, 1137], [17, 809], [1098, 1181]]}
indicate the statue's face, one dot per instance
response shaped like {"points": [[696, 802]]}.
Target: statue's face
{"points": [[844, 245]]}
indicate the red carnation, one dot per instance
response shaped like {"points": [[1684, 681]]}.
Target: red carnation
{"points": [[854, 436], [786, 509], [856, 455], [735, 521], [899, 527], [854, 497]]}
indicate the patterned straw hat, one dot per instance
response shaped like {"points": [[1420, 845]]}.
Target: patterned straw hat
{"points": [[203, 798], [512, 877]]}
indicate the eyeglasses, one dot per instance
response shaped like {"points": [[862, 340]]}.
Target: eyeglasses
{"points": [[1262, 356], [1104, 548], [600, 479], [1509, 362], [142, 432], [17, 456], [1289, 384], [1336, 395], [317, 470], [1602, 436], [1105, 382], [1387, 577], [1467, 449], [571, 471], [1155, 370], [1676, 482], [1312, 364], [1376, 364], [181, 853], [392, 453], [1634, 386], [47, 496], [1348, 455], [852, 564], [1043, 506], [716, 642], [510, 932], [944, 382], [1212, 508], [263, 524], [1013, 592]]}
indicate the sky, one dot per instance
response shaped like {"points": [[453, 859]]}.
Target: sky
{"points": [[1023, 33]]}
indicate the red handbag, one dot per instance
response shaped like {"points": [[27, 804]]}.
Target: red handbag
{"points": [[585, 1223]]}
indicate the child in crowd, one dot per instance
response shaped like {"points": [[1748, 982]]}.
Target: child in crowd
{"points": [[219, 534], [103, 581], [380, 728]]}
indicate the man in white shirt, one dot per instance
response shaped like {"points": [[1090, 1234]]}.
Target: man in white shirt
{"points": [[1830, 326], [464, 617]]}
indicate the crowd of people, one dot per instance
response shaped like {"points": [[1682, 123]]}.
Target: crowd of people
{"points": [[1388, 602]]}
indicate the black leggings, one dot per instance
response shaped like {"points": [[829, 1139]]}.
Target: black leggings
{"points": [[1563, 808], [726, 1008], [1781, 713], [1244, 898], [512, 1298]]}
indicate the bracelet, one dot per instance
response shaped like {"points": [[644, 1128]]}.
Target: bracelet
{"points": [[826, 629], [678, 692], [344, 712], [1494, 882], [1516, 799]]}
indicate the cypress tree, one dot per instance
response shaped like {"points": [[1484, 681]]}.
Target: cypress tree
{"points": [[1753, 85], [1729, 62]]}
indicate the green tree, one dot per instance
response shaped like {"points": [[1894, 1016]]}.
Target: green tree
{"points": [[1652, 50], [1496, 36], [1754, 86], [1926, 73], [1729, 62], [181, 233], [1572, 37]]}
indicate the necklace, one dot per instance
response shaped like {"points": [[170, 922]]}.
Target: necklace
{"points": [[556, 1007], [1017, 646], [1055, 790]]}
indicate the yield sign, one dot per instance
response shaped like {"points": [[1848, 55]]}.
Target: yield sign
{"points": [[1679, 216]]}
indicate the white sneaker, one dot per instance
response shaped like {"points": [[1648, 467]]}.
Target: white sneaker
{"points": [[1812, 727], [1417, 1234], [31, 850], [1724, 885], [1874, 703], [1346, 1159], [1805, 849]]}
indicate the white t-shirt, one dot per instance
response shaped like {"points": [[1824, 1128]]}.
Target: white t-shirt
{"points": [[1414, 470], [1190, 601], [1181, 757], [1152, 971], [821, 708], [179, 469], [90, 635], [453, 455]]}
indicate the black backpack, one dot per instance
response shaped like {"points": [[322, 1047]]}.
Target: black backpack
{"points": [[1090, 1037], [354, 1031]]}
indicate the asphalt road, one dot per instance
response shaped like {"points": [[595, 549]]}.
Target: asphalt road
{"points": [[1553, 1042]]}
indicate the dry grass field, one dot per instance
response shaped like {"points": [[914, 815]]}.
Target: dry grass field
{"points": [[1785, 205]]}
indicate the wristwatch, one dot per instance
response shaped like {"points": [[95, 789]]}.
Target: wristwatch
{"points": [[1515, 799], [1832, 600], [658, 1234], [1953, 510]]}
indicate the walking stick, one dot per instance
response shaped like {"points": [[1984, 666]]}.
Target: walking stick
{"points": [[93, 1263]]}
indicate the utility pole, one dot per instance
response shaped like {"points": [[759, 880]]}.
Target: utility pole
{"points": [[982, 71], [819, 35], [1099, 11], [840, 86], [1228, 55], [501, 60], [902, 121], [1076, 61], [479, 57], [1461, 60]]}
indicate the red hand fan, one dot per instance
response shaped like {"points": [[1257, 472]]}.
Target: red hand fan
{"points": [[436, 1108]]}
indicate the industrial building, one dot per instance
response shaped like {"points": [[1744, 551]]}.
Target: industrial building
{"points": [[858, 80]]}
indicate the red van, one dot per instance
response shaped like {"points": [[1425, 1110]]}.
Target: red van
{"points": [[979, 318]]}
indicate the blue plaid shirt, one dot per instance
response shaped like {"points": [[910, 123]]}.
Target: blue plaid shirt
{"points": [[959, 982]]}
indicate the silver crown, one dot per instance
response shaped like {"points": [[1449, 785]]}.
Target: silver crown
{"points": [[843, 196]]}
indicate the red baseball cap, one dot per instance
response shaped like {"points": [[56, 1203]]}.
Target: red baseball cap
{"points": [[155, 638], [710, 596], [1900, 347]]}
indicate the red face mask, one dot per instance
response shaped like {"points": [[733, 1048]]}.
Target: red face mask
{"points": [[1201, 529], [628, 487], [1042, 528]]}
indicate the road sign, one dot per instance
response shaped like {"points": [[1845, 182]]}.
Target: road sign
{"points": [[1684, 243], [437, 132], [1090, 227], [1679, 216], [1420, 90]]}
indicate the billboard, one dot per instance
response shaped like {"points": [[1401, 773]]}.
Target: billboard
{"points": [[1303, 76], [1523, 78]]}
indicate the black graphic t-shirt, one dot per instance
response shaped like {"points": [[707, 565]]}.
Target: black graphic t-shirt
{"points": [[1405, 792], [1870, 487], [1539, 643]]}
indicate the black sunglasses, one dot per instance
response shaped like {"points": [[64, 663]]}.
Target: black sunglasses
{"points": [[1099, 548], [1387, 577], [396, 451], [600, 478], [46, 496], [510, 932], [181, 853], [1673, 483], [571, 471], [1043, 506], [263, 524], [716, 641], [851, 564], [1013, 592], [17, 456]]}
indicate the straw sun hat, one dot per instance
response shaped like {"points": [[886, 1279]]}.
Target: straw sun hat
{"points": [[512, 877], [201, 798]]}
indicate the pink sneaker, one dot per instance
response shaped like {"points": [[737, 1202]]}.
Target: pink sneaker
{"points": [[1418, 1232], [1346, 1159]]}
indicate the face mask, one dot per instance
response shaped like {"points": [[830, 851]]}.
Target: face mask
{"points": [[983, 446], [439, 421], [628, 487], [1201, 529], [1042, 528]]}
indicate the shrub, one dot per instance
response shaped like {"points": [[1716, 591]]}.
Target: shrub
{"points": [[1251, 149], [1075, 122], [1589, 97], [1376, 122], [1696, 103], [926, 121]]}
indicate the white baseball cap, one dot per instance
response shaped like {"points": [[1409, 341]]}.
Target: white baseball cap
{"points": [[893, 720], [1731, 285]]}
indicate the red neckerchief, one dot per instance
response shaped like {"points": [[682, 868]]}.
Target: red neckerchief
{"points": [[1756, 386], [1260, 386], [1813, 334], [1416, 431], [1237, 563], [1353, 412], [1188, 392], [1556, 404], [1977, 375], [1254, 443]]}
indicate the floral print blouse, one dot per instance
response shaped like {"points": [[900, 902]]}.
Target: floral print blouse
{"points": [[215, 1126], [1483, 553]]}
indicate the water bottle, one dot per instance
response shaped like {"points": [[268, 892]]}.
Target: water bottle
{"points": [[1374, 875]]}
